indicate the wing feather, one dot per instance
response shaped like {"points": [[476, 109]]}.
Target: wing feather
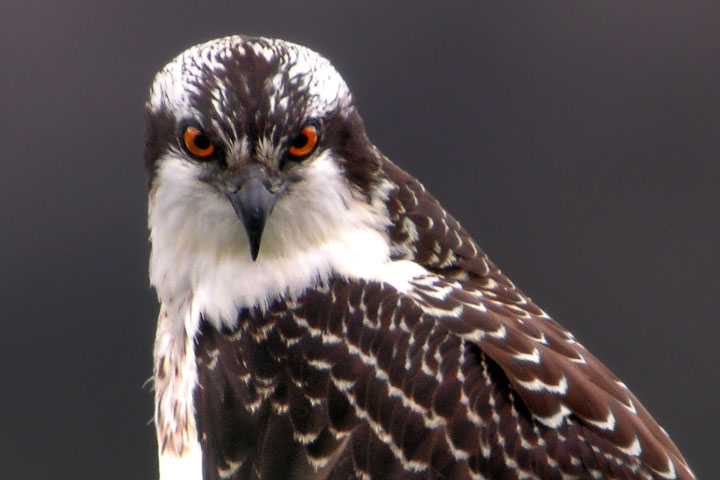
{"points": [[554, 376]]}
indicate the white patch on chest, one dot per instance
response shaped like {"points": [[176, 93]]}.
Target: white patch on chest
{"points": [[200, 261], [318, 228]]}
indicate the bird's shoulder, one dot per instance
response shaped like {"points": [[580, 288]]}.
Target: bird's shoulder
{"points": [[422, 230]]}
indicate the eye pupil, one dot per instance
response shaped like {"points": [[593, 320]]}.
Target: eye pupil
{"points": [[202, 142], [300, 141]]}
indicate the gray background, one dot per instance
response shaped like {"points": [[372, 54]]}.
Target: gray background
{"points": [[579, 142]]}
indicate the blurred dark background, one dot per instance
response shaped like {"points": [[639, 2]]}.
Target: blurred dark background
{"points": [[579, 142]]}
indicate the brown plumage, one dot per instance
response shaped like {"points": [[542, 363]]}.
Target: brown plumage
{"points": [[364, 382]]}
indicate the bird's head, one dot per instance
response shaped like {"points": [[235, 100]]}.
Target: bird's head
{"points": [[254, 135]]}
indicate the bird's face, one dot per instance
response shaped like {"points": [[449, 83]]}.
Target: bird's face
{"points": [[255, 134], [257, 162]]}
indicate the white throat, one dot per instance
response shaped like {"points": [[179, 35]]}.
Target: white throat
{"points": [[319, 228]]}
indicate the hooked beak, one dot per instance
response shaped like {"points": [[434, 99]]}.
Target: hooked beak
{"points": [[253, 202]]}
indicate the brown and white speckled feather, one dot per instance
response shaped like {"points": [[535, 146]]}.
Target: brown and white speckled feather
{"points": [[371, 338], [463, 378]]}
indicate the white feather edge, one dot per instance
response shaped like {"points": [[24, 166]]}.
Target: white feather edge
{"points": [[200, 259]]}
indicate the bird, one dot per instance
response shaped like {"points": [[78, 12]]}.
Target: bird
{"points": [[322, 316]]}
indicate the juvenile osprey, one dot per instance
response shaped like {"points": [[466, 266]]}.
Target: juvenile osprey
{"points": [[323, 317]]}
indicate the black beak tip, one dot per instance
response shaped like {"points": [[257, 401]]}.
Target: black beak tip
{"points": [[254, 249], [254, 222]]}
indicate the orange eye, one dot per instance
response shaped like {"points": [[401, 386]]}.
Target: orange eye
{"points": [[198, 143], [304, 143]]}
